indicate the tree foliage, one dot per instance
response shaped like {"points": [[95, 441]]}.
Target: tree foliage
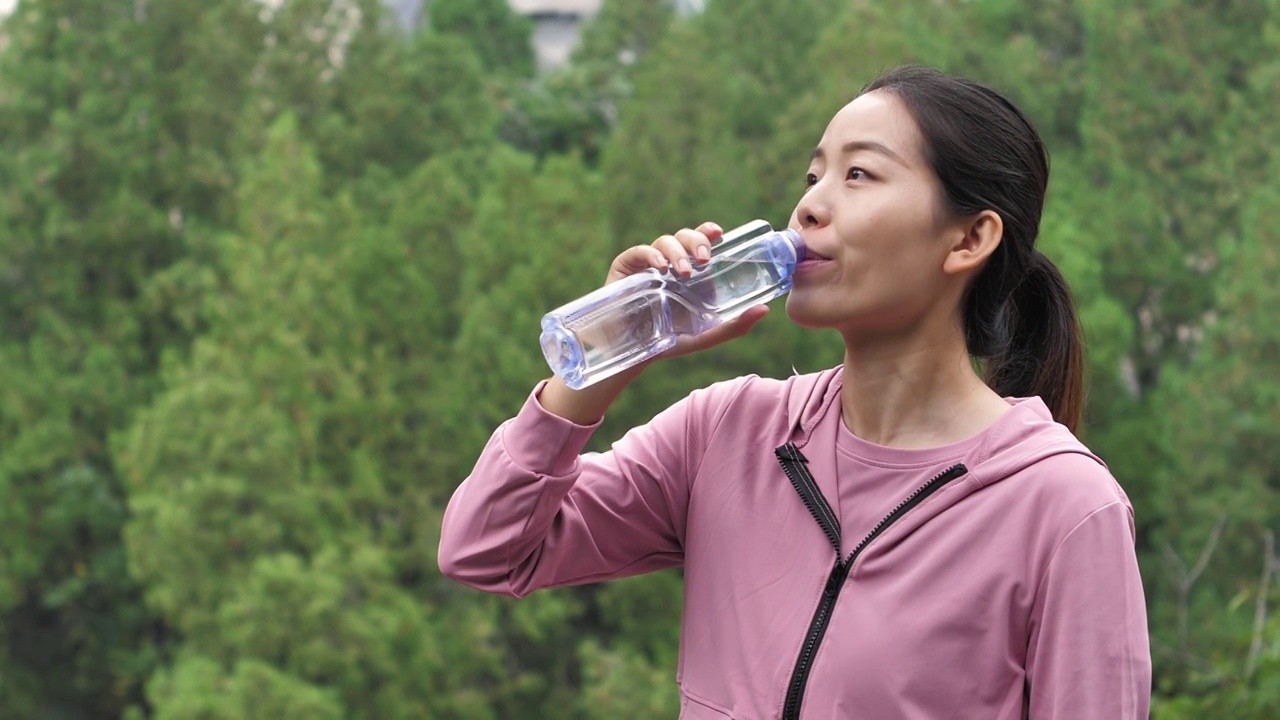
{"points": [[272, 272]]}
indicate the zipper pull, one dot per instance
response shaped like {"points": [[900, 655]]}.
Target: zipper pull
{"points": [[834, 581], [792, 453]]}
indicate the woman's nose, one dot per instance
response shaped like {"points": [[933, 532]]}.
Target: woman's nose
{"points": [[811, 212]]}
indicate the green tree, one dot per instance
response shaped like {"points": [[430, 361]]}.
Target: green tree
{"points": [[110, 159], [623, 31], [272, 278], [407, 100], [673, 160], [497, 34], [277, 524], [1216, 630], [1153, 127], [575, 107]]}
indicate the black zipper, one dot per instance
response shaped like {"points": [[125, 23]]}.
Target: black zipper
{"points": [[795, 465]]}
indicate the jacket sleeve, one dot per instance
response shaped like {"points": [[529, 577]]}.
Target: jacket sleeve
{"points": [[534, 513], [1088, 654]]}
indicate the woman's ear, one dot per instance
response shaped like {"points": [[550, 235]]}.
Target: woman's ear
{"points": [[976, 237]]}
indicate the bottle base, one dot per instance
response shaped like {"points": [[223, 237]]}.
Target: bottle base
{"points": [[567, 358]]}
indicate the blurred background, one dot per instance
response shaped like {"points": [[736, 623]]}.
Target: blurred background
{"points": [[270, 273]]}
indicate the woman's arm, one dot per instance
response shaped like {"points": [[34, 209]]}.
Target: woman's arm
{"points": [[535, 514], [1088, 654]]}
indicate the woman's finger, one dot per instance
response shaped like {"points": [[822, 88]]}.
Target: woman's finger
{"points": [[696, 244], [636, 259], [676, 252]]}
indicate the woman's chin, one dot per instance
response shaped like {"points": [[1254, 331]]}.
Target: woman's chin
{"points": [[805, 315]]}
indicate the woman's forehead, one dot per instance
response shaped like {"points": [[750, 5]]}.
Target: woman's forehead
{"points": [[876, 117]]}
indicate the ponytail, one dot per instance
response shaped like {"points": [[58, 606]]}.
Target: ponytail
{"points": [[1034, 345]]}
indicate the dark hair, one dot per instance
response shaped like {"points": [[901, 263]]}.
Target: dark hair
{"points": [[1019, 317]]}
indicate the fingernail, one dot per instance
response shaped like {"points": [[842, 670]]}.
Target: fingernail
{"points": [[703, 253], [684, 266]]}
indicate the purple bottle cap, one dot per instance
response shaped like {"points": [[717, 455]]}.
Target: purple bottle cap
{"points": [[797, 242]]}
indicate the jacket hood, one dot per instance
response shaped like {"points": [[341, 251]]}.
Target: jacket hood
{"points": [[1022, 437]]}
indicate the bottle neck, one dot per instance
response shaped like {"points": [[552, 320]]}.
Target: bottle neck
{"points": [[793, 236]]}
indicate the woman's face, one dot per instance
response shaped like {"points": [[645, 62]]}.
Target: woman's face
{"points": [[872, 217]]}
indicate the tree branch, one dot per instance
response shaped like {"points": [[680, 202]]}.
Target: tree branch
{"points": [[1203, 561], [1185, 579], [1171, 559], [1260, 607]]}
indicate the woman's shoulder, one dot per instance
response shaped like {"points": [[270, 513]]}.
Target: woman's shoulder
{"points": [[1042, 458], [1080, 469], [1043, 467], [1073, 485], [763, 396]]}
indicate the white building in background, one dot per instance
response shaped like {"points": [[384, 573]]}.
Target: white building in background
{"points": [[556, 23], [556, 26], [408, 12]]}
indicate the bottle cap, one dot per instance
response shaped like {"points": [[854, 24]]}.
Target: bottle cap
{"points": [[796, 241]]}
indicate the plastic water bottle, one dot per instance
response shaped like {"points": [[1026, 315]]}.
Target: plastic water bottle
{"points": [[633, 319]]}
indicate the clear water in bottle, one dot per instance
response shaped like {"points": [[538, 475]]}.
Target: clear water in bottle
{"points": [[629, 321]]}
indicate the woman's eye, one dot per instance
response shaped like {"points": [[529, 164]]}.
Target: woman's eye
{"points": [[810, 180], [857, 173]]}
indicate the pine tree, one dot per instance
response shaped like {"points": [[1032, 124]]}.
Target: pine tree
{"points": [[280, 528], [497, 34], [574, 108], [271, 279], [401, 101], [1222, 486], [111, 165]]}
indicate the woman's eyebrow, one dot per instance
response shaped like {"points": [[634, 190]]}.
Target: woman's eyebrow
{"points": [[868, 145]]}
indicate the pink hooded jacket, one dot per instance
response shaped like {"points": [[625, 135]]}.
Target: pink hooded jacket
{"points": [[1006, 587]]}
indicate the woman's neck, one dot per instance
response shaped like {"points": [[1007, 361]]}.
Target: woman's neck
{"points": [[914, 391]]}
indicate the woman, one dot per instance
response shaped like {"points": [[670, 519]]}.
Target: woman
{"points": [[892, 538]]}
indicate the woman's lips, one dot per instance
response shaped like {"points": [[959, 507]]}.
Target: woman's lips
{"points": [[812, 261]]}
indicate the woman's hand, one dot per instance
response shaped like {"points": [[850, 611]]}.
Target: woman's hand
{"points": [[678, 252]]}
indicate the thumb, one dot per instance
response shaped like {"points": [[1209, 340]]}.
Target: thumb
{"points": [[731, 330], [742, 324]]}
